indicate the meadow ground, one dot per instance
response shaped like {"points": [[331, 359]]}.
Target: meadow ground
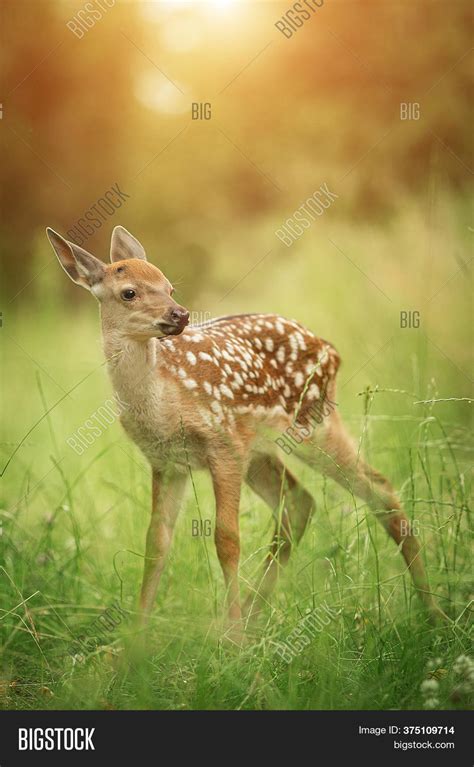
{"points": [[73, 527]]}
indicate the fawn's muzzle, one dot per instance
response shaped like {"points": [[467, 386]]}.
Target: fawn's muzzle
{"points": [[180, 317], [175, 323]]}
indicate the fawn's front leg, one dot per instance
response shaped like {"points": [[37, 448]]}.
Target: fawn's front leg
{"points": [[167, 494], [227, 481]]}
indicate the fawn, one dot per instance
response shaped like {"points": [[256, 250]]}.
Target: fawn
{"points": [[211, 396]]}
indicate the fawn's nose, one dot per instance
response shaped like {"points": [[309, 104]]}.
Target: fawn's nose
{"points": [[180, 316]]}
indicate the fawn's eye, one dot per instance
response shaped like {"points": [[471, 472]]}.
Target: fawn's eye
{"points": [[127, 295]]}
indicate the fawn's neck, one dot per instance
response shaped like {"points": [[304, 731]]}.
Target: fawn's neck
{"points": [[131, 363]]}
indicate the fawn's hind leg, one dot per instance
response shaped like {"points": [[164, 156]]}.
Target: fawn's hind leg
{"points": [[336, 456], [275, 484]]}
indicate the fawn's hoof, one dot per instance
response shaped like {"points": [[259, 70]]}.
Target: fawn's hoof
{"points": [[235, 632], [252, 608]]}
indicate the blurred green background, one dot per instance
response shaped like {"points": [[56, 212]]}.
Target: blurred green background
{"points": [[80, 114]]}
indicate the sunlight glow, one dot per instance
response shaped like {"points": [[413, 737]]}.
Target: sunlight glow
{"points": [[207, 5], [206, 9], [219, 4]]}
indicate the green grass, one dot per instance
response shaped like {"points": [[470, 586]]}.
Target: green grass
{"points": [[72, 535]]}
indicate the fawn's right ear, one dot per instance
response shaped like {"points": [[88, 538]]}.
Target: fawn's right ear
{"points": [[81, 266], [124, 245]]}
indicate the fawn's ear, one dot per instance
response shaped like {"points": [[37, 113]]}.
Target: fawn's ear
{"points": [[81, 266], [123, 245]]}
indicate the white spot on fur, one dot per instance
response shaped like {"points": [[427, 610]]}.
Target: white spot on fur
{"points": [[190, 383], [204, 356], [300, 340], [299, 379], [226, 391], [216, 408], [191, 358], [280, 355], [269, 344]]}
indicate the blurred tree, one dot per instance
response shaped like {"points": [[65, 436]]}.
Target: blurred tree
{"points": [[67, 113]]}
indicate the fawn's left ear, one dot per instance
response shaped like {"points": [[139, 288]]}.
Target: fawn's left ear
{"points": [[124, 245], [82, 267]]}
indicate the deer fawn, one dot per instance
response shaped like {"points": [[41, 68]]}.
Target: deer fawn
{"points": [[211, 396]]}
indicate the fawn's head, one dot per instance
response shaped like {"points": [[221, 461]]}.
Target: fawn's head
{"points": [[135, 297]]}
